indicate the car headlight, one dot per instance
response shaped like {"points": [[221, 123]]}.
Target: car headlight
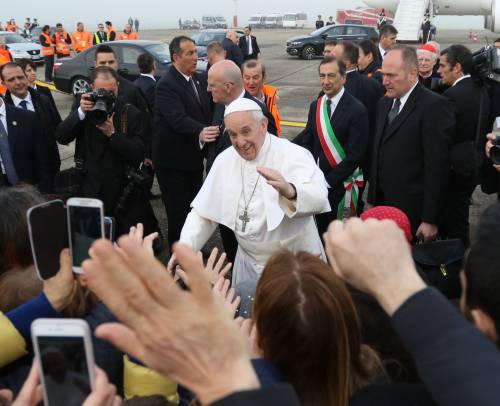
{"points": [[295, 43]]}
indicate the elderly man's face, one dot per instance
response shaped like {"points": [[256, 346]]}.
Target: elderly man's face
{"points": [[253, 80], [247, 134], [426, 61], [398, 79], [219, 87]]}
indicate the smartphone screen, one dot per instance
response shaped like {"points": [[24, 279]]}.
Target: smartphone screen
{"points": [[109, 228], [66, 374], [86, 227], [48, 229]]}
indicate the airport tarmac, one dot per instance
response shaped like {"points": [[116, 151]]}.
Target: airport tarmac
{"points": [[297, 82]]}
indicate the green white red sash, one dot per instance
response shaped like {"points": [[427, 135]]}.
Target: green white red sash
{"points": [[335, 154]]}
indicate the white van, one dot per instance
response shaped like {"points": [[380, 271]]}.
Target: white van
{"points": [[295, 20], [213, 21], [256, 21], [273, 21]]}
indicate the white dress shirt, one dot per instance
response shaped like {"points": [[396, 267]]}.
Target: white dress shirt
{"points": [[3, 119], [382, 51], [150, 76], [460, 79], [17, 101], [336, 100], [405, 98], [249, 41]]}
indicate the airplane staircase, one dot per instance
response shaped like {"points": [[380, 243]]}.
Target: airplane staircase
{"points": [[409, 17]]}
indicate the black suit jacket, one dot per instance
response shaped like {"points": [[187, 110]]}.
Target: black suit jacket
{"points": [[147, 86], [46, 91], [233, 52], [28, 148], [277, 395], [244, 47], [410, 164], [49, 119], [106, 160], [350, 124], [215, 148], [178, 121]]}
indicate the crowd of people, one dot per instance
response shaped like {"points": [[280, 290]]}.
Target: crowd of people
{"points": [[345, 278]]}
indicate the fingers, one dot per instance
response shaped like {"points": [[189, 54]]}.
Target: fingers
{"points": [[6, 395], [220, 262], [121, 337], [246, 327], [103, 393], [148, 242], [225, 270], [211, 259], [28, 392], [66, 267]]}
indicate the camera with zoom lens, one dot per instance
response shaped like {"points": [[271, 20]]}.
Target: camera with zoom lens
{"points": [[495, 150], [104, 104], [138, 180]]}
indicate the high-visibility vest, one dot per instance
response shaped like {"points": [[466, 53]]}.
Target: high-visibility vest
{"points": [[5, 57], [97, 38], [81, 40], [62, 47], [271, 96], [110, 30], [124, 36], [11, 27], [47, 50]]}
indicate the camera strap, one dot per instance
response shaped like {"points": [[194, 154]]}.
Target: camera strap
{"points": [[124, 119]]}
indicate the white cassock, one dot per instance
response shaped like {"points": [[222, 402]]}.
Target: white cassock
{"points": [[275, 222]]}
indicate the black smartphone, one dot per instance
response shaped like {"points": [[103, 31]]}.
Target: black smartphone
{"points": [[48, 231]]}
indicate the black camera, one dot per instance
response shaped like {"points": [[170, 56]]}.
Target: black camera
{"points": [[495, 151], [104, 104], [138, 181], [487, 63]]}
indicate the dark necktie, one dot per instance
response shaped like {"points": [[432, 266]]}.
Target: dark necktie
{"points": [[195, 90], [24, 104], [329, 108], [394, 111], [8, 164]]}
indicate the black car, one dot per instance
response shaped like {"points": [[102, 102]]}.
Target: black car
{"points": [[311, 45], [205, 37], [71, 75]]}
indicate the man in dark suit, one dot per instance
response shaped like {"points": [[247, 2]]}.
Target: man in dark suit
{"points": [[226, 85], [23, 154], [464, 93], [108, 149], [20, 95], [410, 158], [319, 22], [248, 45], [387, 38], [146, 82], [367, 90], [181, 128], [339, 144], [233, 51]]}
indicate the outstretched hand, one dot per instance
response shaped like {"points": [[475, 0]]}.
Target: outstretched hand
{"points": [[277, 181]]}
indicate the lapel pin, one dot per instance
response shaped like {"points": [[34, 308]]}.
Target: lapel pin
{"points": [[14, 123]]}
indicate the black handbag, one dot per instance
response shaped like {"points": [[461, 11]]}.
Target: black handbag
{"points": [[441, 262]]}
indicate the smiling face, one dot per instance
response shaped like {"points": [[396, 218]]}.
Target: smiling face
{"points": [[253, 80], [246, 132]]}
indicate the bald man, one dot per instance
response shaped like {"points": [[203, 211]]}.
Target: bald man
{"points": [[233, 51], [226, 85]]}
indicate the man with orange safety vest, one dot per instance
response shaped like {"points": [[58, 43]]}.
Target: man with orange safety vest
{"points": [[127, 33], [62, 40], [5, 57], [12, 26], [81, 39], [111, 33], [254, 74], [48, 51]]}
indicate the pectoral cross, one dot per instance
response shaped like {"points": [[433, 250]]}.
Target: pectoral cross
{"points": [[244, 220]]}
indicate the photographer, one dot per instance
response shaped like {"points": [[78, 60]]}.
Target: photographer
{"points": [[491, 167], [107, 146]]}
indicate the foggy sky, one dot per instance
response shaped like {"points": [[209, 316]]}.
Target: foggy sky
{"points": [[156, 14]]}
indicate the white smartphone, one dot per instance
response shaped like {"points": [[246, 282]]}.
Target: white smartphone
{"points": [[63, 349], [85, 225]]}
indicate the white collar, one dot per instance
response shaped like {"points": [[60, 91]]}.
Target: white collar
{"points": [[406, 96], [18, 100], [148, 75], [382, 51], [242, 94], [351, 70], [3, 110], [460, 79], [336, 99], [185, 76]]}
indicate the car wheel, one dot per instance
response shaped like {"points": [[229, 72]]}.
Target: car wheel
{"points": [[308, 52], [80, 85]]}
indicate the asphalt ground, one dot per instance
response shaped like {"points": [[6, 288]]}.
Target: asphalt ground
{"points": [[298, 85]]}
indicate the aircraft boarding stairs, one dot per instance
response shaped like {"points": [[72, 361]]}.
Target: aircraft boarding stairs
{"points": [[409, 17]]}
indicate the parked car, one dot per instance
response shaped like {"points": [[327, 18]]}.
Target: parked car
{"points": [[71, 75], [190, 25], [20, 47], [311, 45], [205, 37]]}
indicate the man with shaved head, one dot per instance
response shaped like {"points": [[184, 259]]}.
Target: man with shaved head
{"points": [[226, 85], [233, 52]]}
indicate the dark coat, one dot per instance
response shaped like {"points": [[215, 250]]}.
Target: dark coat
{"points": [[243, 44], [28, 148], [410, 164], [233, 52], [106, 160], [276, 395], [147, 86], [373, 69], [49, 119], [178, 121]]}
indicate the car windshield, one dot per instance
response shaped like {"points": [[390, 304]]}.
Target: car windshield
{"points": [[205, 38], [290, 17], [320, 31], [161, 52], [14, 39]]}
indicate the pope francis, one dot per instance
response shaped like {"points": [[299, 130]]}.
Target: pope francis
{"points": [[264, 188]]}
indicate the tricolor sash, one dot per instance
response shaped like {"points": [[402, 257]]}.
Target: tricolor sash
{"points": [[335, 154]]}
